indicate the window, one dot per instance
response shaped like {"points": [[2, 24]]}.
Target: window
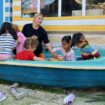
{"points": [[29, 8], [49, 8], [55, 8], [95, 7], [71, 8]]}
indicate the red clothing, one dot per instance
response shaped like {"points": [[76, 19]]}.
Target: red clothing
{"points": [[96, 55], [25, 55]]}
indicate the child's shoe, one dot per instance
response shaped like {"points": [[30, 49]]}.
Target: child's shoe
{"points": [[20, 95], [68, 100], [17, 94], [2, 96], [15, 85]]}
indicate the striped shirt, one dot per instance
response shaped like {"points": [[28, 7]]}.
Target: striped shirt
{"points": [[7, 43]]}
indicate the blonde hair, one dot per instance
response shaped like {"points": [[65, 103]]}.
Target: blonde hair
{"points": [[37, 15], [16, 28], [31, 42]]}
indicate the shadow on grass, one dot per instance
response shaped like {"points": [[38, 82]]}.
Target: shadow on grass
{"points": [[79, 92], [96, 98]]}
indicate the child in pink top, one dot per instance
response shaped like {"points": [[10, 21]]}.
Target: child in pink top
{"points": [[20, 40]]}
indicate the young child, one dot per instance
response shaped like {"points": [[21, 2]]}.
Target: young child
{"points": [[20, 40], [30, 45], [67, 51], [80, 41], [8, 39]]}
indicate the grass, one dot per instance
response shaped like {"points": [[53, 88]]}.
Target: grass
{"points": [[97, 98], [55, 89], [87, 96], [36, 87]]}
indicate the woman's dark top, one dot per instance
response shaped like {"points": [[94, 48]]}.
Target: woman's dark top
{"points": [[29, 31]]}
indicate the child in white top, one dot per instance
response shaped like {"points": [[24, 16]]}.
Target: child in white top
{"points": [[67, 51]]}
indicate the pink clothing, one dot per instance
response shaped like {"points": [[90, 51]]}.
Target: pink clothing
{"points": [[5, 56], [19, 46]]}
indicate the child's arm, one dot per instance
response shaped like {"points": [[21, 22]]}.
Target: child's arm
{"points": [[54, 51], [61, 58], [19, 39], [38, 58]]}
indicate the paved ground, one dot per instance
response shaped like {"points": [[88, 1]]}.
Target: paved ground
{"points": [[94, 38]]}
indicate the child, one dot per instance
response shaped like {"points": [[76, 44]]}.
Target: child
{"points": [[30, 45], [80, 41], [8, 39], [68, 53], [20, 40]]}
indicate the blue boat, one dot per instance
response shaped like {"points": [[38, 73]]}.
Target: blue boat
{"points": [[78, 74]]}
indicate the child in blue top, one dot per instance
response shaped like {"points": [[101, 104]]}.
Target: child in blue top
{"points": [[80, 41]]}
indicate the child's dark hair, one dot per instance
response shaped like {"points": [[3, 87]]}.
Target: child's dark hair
{"points": [[31, 42], [67, 39], [7, 28], [76, 38]]}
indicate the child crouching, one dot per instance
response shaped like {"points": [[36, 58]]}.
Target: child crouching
{"points": [[30, 45], [66, 50], [88, 52]]}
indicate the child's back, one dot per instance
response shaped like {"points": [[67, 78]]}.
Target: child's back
{"points": [[7, 41], [20, 44], [20, 40]]}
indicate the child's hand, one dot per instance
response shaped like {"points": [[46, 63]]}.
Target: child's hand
{"points": [[54, 54], [58, 57], [38, 59], [42, 56]]}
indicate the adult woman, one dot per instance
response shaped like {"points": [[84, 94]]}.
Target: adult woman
{"points": [[35, 28]]}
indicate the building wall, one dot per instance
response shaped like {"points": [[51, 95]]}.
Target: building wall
{"points": [[63, 24], [55, 26], [7, 10], [1, 13], [74, 23]]}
